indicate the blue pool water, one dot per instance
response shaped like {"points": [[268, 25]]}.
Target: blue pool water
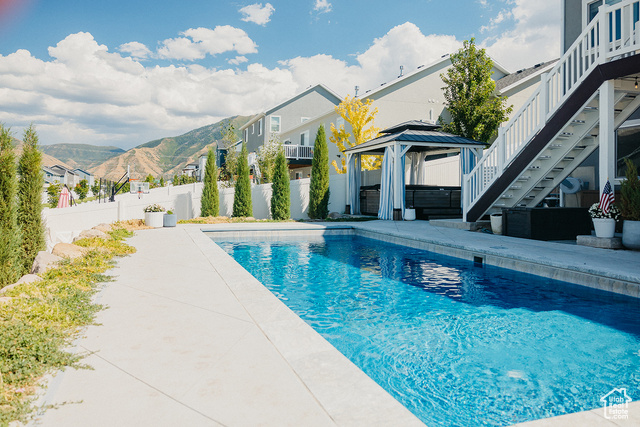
{"points": [[456, 343]]}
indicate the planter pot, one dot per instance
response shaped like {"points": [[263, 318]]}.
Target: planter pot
{"points": [[496, 223], [631, 235], [409, 214], [154, 219], [605, 227], [170, 220]]}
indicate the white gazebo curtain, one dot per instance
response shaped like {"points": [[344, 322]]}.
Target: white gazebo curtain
{"points": [[415, 170], [354, 167], [385, 209]]}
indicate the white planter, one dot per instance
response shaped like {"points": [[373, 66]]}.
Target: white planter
{"points": [[170, 220], [631, 234], [409, 214], [605, 227], [496, 223], [154, 219]]}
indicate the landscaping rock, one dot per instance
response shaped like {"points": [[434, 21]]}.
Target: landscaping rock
{"points": [[105, 228], [334, 215], [29, 278], [44, 261], [249, 218], [68, 250], [90, 234]]}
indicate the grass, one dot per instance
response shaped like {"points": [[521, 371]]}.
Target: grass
{"points": [[42, 319]]}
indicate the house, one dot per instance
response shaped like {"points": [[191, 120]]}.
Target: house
{"points": [[416, 95], [191, 169], [290, 113], [70, 178], [584, 112], [84, 175], [51, 176]]}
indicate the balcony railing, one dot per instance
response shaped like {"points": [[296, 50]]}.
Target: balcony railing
{"points": [[298, 152]]}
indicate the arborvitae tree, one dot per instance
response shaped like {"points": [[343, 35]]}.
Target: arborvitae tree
{"points": [[31, 180], [162, 181], [319, 188], [11, 264], [280, 196], [210, 199], [82, 189], [242, 197]]}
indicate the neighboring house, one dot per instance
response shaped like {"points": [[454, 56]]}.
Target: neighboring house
{"points": [[584, 112], [416, 95], [191, 169], [289, 114], [51, 176], [84, 175], [70, 178]]}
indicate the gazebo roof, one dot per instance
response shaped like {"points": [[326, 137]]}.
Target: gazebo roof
{"points": [[419, 135]]}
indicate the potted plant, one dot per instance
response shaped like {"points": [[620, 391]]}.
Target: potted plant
{"points": [[154, 216], [170, 219], [630, 207], [604, 223]]}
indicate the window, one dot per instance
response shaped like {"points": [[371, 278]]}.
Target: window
{"points": [[275, 124], [246, 135], [304, 138], [339, 122], [260, 127], [627, 146], [253, 128]]}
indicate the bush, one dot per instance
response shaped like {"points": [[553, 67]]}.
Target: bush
{"points": [[11, 262], [242, 197], [82, 189], [630, 193], [210, 204], [319, 188], [53, 193], [280, 196], [30, 198]]}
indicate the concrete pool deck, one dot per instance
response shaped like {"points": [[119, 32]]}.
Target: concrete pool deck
{"points": [[190, 338]]}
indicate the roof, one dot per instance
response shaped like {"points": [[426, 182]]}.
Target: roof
{"points": [[524, 74], [420, 135], [50, 171], [82, 171]]}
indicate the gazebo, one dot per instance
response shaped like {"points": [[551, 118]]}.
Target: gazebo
{"points": [[415, 139]]}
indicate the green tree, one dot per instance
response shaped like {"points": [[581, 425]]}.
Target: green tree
{"points": [[82, 189], [11, 264], [469, 96], [151, 180], [210, 204], [319, 187], [267, 157], [162, 181], [95, 188], [228, 143], [31, 180], [242, 197], [281, 193], [53, 193]]}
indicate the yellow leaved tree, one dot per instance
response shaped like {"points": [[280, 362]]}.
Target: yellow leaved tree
{"points": [[359, 115]]}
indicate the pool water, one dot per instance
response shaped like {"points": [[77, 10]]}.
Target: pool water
{"points": [[456, 343]]}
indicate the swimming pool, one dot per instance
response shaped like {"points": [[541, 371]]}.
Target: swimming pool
{"points": [[456, 343]]}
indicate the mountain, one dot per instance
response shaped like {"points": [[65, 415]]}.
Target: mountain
{"points": [[166, 156], [81, 156], [47, 160]]}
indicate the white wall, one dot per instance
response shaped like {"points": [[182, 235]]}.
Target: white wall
{"points": [[66, 223]]}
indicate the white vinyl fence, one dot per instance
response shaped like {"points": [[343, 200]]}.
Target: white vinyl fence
{"points": [[66, 223]]}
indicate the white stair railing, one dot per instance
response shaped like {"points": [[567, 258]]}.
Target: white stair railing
{"points": [[610, 35], [298, 152]]}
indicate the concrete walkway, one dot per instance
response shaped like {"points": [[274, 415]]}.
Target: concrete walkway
{"points": [[189, 338]]}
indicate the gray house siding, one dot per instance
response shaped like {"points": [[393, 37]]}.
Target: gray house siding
{"points": [[572, 25], [252, 135]]}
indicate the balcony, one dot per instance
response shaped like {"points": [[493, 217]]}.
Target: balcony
{"points": [[298, 152]]}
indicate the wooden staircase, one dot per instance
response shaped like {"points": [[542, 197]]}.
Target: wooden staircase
{"points": [[558, 128]]}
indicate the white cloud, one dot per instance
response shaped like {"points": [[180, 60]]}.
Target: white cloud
{"points": [[257, 13], [137, 50], [199, 42], [238, 60], [322, 6], [534, 35]]}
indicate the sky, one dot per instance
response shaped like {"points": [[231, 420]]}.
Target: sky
{"points": [[122, 73]]}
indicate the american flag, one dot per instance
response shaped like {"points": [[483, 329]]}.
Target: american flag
{"points": [[607, 198]]}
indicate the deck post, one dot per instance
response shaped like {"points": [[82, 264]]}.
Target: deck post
{"points": [[603, 35], [347, 208], [606, 135]]}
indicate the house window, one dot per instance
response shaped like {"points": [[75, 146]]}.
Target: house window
{"points": [[246, 135], [304, 138], [275, 124], [260, 127], [592, 11], [253, 128], [339, 122], [627, 146]]}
